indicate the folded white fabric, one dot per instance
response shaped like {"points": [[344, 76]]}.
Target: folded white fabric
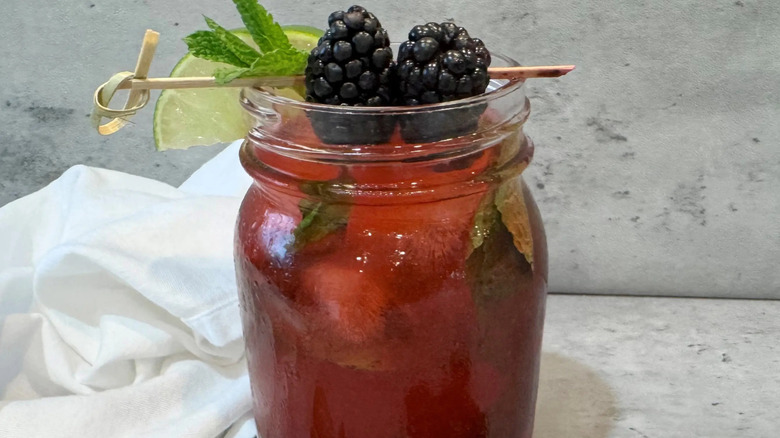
{"points": [[118, 307]]}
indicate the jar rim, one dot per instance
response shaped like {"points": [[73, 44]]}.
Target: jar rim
{"points": [[496, 90]]}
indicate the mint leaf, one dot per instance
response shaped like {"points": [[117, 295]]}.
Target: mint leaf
{"points": [[501, 260], [225, 75], [242, 50], [319, 220], [496, 269], [510, 201], [281, 62], [483, 219], [277, 63], [207, 45], [325, 210], [267, 33]]}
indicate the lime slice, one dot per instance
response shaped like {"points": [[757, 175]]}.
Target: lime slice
{"points": [[302, 37], [205, 116]]}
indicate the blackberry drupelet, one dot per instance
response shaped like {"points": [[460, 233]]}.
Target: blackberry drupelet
{"points": [[439, 63], [353, 63]]}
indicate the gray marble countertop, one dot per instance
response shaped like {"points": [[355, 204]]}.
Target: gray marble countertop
{"points": [[635, 367]]}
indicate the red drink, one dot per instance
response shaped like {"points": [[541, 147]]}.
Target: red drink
{"points": [[391, 290]]}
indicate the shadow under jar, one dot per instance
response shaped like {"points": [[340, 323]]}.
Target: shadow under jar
{"points": [[392, 283]]}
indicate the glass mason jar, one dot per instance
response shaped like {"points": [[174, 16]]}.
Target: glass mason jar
{"points": [[392, 268]]}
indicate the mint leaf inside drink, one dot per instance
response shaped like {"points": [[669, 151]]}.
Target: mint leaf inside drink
{"points": [[320, 219], [496, 269], [324, 212]]}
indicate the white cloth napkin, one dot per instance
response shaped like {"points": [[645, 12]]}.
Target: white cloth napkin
{"points": [[118, 307]]}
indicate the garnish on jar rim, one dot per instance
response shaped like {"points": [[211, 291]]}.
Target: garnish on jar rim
{"points": [[275, 63]]}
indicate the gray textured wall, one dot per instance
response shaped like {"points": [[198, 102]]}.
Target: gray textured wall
{"points": [[657, 166]]}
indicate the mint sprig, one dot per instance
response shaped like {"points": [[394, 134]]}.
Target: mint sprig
{"points": [[276, 57]]}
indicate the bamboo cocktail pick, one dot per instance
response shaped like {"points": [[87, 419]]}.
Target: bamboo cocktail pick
{"points": [[136, 100], [139, 85], [510, 73]]}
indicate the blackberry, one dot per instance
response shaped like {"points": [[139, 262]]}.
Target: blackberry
{"points": [[351, 65], [440, 62]]}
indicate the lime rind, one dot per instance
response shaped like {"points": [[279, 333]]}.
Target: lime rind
{"points": [[303, 37]]}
